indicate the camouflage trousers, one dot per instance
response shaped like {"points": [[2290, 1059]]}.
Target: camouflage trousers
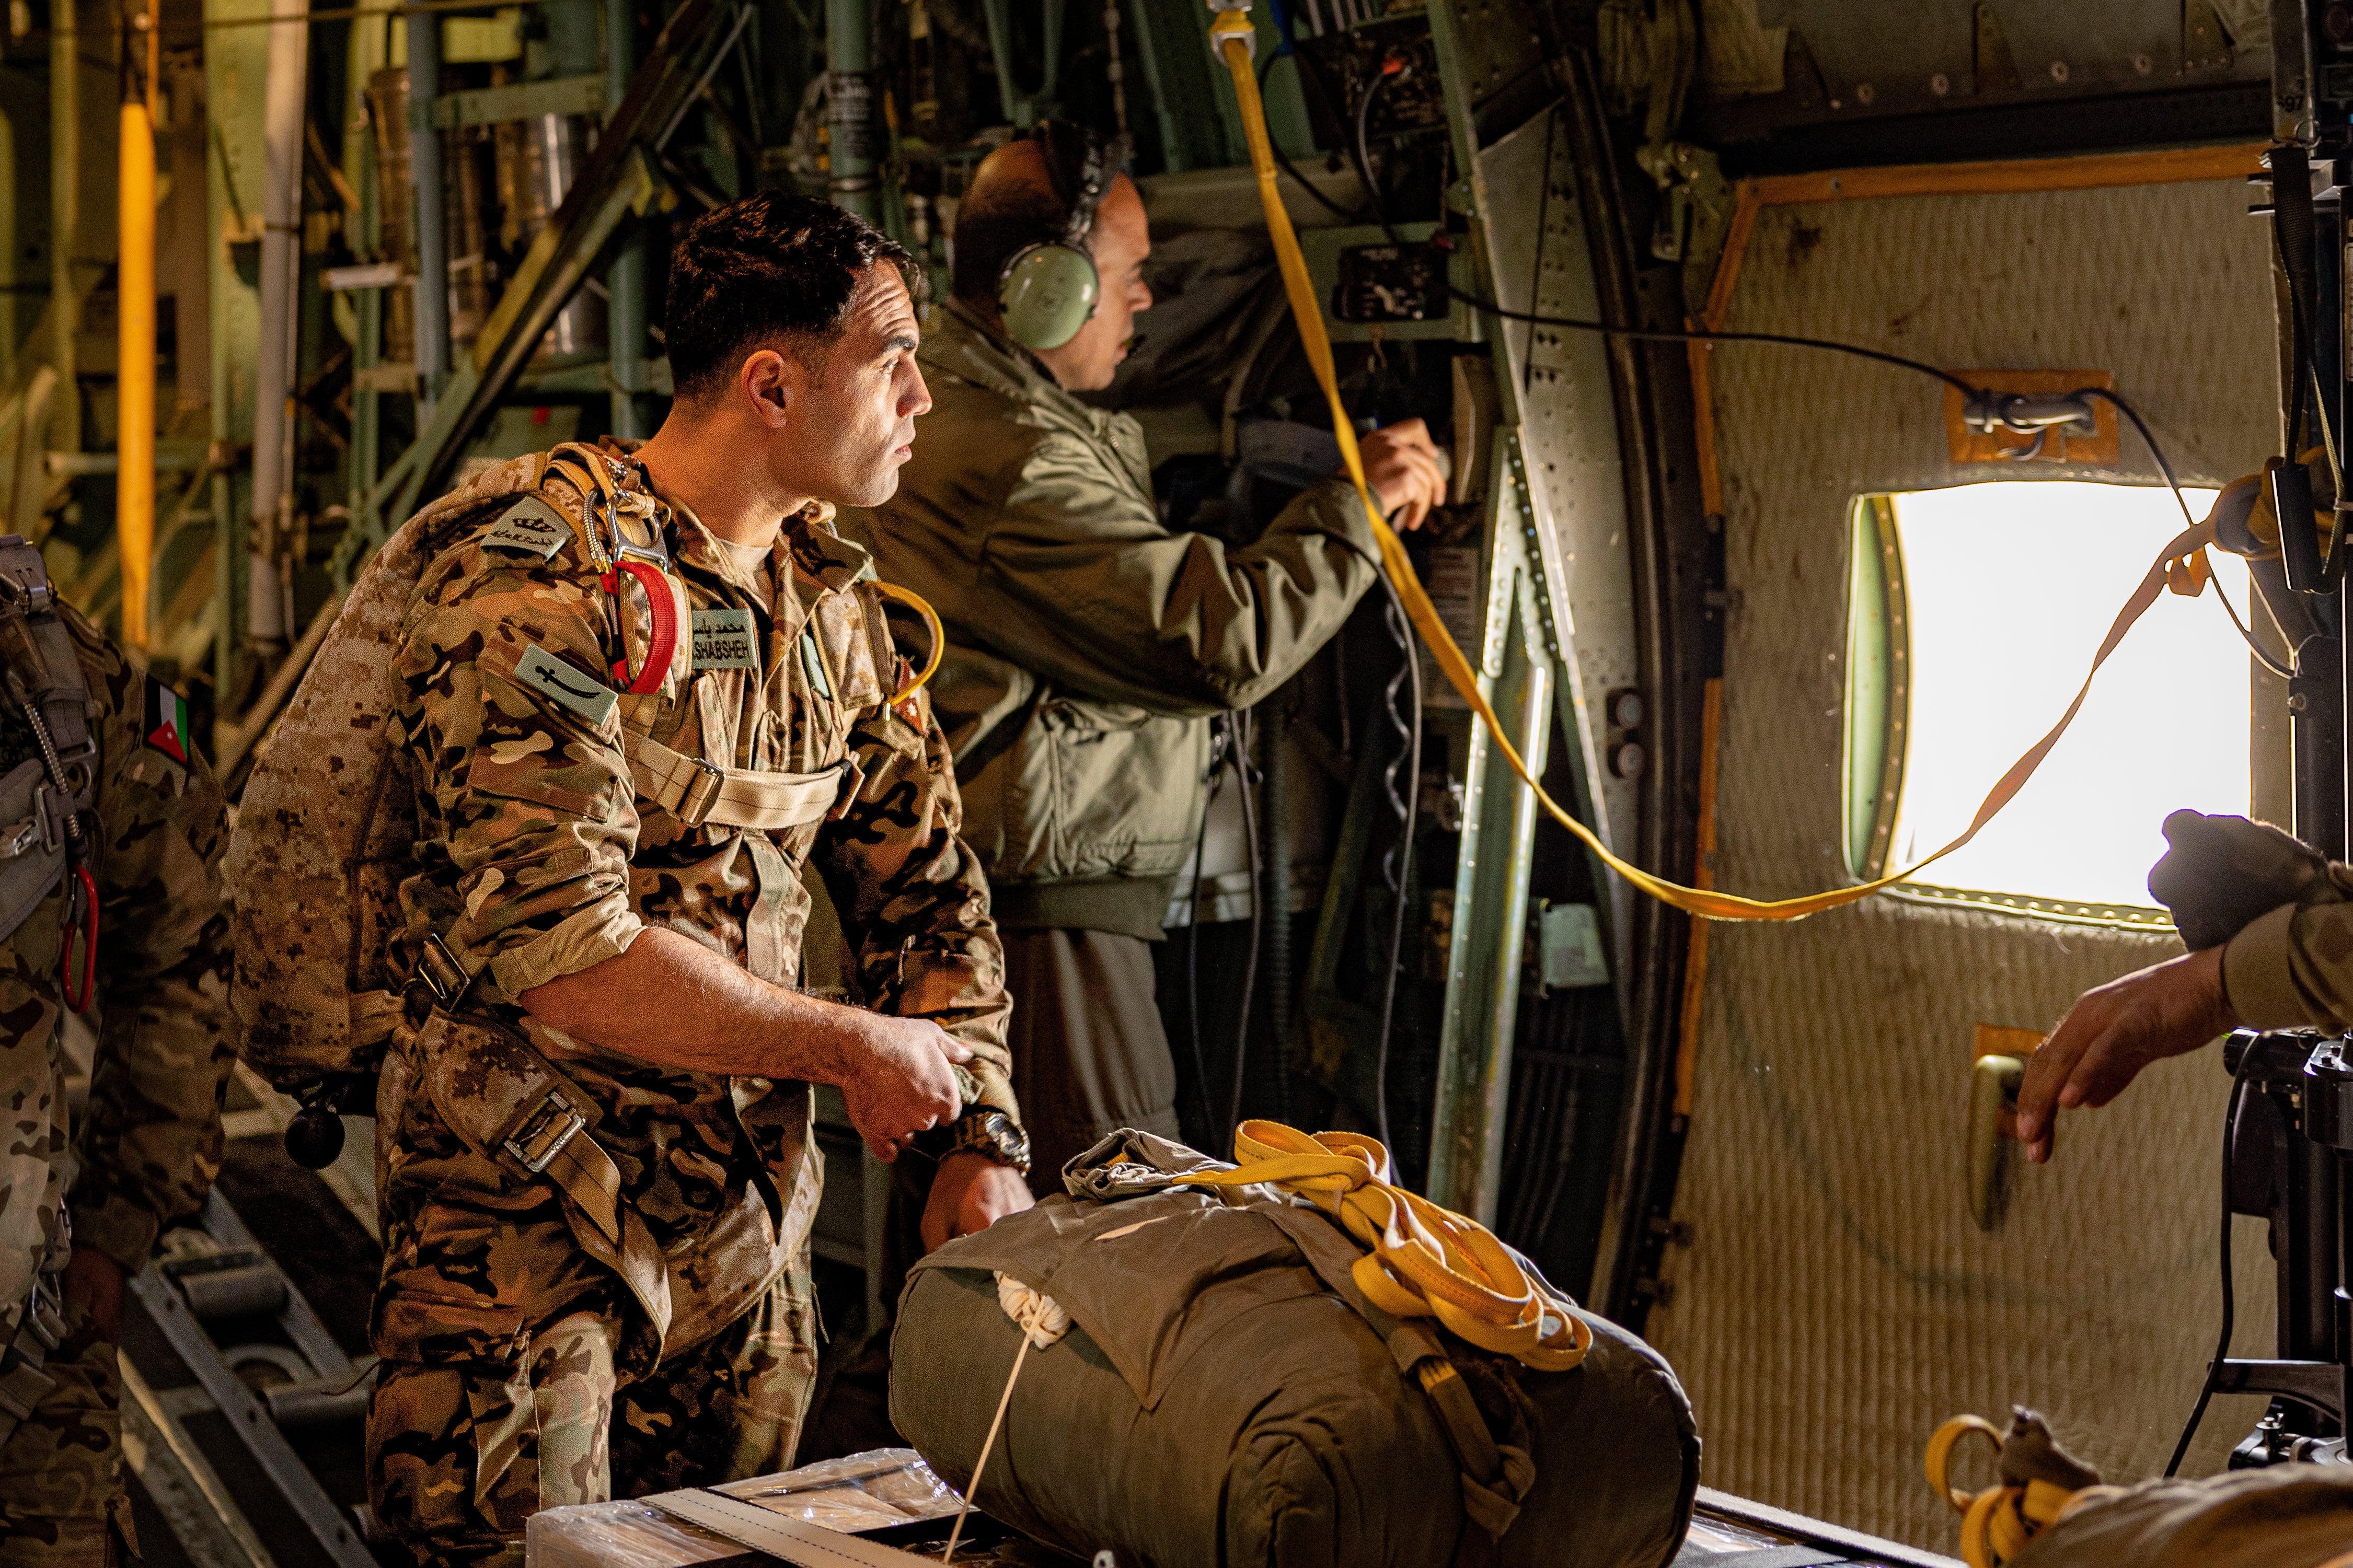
{"points": [[462, 1450], [61, 1468]]}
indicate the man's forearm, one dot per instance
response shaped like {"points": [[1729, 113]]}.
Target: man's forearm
{"points": [[670, 1001]]}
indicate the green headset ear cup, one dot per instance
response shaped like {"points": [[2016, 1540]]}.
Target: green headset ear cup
{"points": [[1047, 293]]}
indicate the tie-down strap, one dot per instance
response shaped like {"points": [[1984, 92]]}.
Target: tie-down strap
{"points": [[696, 791]]}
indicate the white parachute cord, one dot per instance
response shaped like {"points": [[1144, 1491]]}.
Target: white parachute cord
{"points": [[1041, 1322]]}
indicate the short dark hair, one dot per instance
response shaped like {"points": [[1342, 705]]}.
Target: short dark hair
{"points": [[1004, 217], [771, 267]]}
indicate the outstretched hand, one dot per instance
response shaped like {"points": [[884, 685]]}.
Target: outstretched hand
{"points": [[2113, 1032]]}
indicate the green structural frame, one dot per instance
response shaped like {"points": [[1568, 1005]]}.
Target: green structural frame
{"points": [[1530, 676]]}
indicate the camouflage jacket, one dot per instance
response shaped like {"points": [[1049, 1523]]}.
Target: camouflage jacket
{"points": [[537, 857], [149, 1142]]}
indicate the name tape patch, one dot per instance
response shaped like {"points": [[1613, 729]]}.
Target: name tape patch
{"points": [[542, 672], [532, 525], [722, 640]]}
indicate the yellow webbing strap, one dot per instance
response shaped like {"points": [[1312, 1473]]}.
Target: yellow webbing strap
{"points": [[916, 602], [1998, 1523], [1425, 1261], [1231, 33]]}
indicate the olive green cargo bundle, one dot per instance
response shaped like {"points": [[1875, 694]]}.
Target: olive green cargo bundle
{"points": [[1228, 1395]]}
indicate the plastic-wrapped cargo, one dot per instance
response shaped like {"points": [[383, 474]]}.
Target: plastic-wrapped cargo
{"points": [[874, 1491], [1229, 1395]]}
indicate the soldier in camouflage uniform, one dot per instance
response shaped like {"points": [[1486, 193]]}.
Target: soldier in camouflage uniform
{"points": [[149, 1142], [533, 1355]]}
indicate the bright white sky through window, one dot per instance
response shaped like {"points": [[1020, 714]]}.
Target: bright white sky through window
{"points": [[2012, 586]]}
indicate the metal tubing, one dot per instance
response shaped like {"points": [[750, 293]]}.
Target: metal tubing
{"points": [[432, 212], [1001, 50], [1491, 898], [134, 484], [624, 319], [1277, 791], [282, 262], [849, 112], [65, 219]]}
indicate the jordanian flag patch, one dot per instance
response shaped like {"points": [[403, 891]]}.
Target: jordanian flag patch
{"points": [[167, 721]]}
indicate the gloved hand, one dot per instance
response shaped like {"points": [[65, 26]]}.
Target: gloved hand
{"points": [[2221, 872]]}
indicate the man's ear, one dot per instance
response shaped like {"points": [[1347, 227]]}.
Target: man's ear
{"points": [[772, 384]]}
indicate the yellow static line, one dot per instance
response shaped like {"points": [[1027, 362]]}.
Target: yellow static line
{"points": [[1231, 32]]}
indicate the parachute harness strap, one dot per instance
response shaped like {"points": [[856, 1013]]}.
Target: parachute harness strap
{"points": [[1424, 1261], [1230, 32]]}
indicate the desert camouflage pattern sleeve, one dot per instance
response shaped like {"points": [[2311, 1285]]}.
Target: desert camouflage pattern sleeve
{"points": [[912, 895], [521, 775], [150, 1144]]}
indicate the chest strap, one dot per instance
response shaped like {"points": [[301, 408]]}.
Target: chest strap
{"points": [[699, 793]]}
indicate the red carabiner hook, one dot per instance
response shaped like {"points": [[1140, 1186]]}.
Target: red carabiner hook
{"points": [[81, 889]]}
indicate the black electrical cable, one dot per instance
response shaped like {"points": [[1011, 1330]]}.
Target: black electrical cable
{"points": [[2247, 637], [1240, 758], [2293, 232], [2165, 471], [1193, 947], [1390, 66], [1397, 865], [1638, 334], [2335, 559], [2230, 1294], [1969, 393], [1328, 205]]}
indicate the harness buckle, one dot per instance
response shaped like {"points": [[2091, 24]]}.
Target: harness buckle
{"points": [[50, 810], [46, 828], [694, 805], [552, 1123], [20, 837], [438, 970]]}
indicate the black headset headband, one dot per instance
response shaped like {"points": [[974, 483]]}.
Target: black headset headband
{"points": [[1100, 162]]}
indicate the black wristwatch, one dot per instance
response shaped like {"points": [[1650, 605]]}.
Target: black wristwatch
{"points": [[985, 1132]]}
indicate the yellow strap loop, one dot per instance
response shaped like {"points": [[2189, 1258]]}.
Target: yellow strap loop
{"points": [[1998, 1523], [1231, 39], [1425, 1261], [1940, 1455], [916, 602]]}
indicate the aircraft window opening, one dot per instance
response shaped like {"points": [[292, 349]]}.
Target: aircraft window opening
{"points": [[1972, 612]]}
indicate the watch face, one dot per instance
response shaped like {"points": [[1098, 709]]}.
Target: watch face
{"points": [[1000, 1131]]}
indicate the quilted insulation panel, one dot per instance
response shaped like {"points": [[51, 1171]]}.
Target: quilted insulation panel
{"points": [[1834, 1302]]}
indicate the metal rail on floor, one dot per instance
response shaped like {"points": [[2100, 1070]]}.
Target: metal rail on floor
{"points": [[234, 1278]]}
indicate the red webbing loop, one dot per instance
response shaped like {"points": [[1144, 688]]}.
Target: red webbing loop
{"points": [[81, 890], [664, 604]]}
